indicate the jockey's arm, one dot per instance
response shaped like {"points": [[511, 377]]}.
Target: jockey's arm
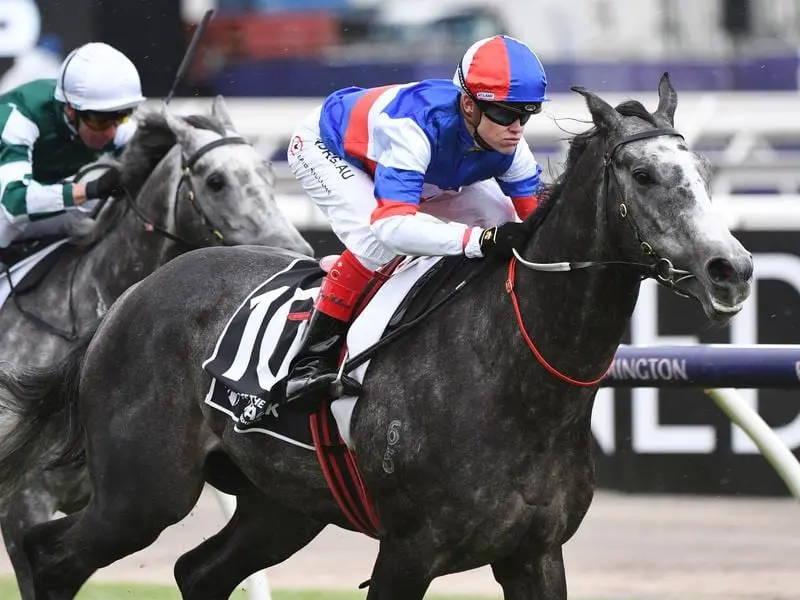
{"points": [[522, 181], [403, 158], [399, 227], [22, 198]]}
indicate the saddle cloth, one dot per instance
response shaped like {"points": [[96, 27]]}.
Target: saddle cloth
{"points": [[20, 269], [253, 354]]}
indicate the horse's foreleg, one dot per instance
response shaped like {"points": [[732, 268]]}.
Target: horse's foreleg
{"points": [[260, 534], [527, 576], [32, 505], [399, 573]]}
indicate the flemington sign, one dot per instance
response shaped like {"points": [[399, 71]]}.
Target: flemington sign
{"points": [[647, 369], [707, 365]]}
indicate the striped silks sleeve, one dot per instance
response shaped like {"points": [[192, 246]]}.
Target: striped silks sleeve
{"points": [[21, 198]]}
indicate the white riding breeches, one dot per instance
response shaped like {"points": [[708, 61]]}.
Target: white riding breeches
{"points": [[345, 195]]}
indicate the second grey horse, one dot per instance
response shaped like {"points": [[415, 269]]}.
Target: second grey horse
{"points": [[192, 183]]}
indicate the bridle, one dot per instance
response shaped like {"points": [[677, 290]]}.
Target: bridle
{"points": [[656, 267], [187, 164]]}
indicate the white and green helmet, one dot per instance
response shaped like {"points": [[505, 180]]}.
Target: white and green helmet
{"points": [[100, 78]]}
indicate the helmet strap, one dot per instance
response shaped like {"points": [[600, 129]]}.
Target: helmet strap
{"points": [[476, 137], [72, 123]]}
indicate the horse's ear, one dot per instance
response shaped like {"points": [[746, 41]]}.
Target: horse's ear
{"points": [[603, 114], [220, 112], [181, 129], [667, 100]]}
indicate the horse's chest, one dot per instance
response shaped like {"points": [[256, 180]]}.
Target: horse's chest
{"points": [[496, 524], [521, 512]]}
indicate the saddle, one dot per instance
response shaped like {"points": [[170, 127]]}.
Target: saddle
{"points": [[253, 355], [20, 250]]}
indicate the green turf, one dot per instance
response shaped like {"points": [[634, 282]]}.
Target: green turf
{"points": [[123, 591]]}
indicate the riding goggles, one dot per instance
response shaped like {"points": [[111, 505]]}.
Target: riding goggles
{"points": [[505, 115], [101, 121]]}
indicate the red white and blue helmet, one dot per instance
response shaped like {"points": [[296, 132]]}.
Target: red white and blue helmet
{"points": [[502, 69]]}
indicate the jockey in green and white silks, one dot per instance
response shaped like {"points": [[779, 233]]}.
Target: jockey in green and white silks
{"points": [[50, 128]]}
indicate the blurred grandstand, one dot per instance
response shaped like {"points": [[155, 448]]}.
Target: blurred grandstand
{"points": [[734, 62], [311, 47]]}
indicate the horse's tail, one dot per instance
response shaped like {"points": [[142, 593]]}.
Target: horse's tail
{"points": [[39, 424]]}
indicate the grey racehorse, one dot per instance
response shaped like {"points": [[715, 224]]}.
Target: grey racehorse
{"points": [[487, 402], [209, 188]]}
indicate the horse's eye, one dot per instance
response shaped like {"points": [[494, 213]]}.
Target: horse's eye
{"points": [[216, 181], [642, 177]]}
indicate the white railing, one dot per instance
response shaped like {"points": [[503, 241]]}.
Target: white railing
{"points": [[744, 134], [758, 213], [718, 115]]}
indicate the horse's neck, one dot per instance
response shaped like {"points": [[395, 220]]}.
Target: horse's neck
{"points": [[580, 313], [129, 252]]}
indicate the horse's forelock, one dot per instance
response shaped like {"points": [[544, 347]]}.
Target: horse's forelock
{"points": [[634, 108], [206, 122], [579, 144]]}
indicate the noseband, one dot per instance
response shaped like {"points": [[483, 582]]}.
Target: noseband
{"points": [[187, 164], [657, 267]]}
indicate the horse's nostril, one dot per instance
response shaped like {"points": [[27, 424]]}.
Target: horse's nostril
{"points": [[747, 272], [720, 270]]}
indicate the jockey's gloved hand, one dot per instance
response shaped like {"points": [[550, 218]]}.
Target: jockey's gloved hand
{"points": [[498, 242], [108, 184]]}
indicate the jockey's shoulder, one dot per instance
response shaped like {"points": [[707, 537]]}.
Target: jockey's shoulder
{"points": [[32, 97], [428, 101], [32, 102]]}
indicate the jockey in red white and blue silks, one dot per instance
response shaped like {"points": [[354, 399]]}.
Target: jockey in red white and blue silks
{"points": [[430, 168]]}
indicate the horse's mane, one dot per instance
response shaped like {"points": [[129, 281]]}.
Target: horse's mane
{"points": [[574, 169], [150, 143]]}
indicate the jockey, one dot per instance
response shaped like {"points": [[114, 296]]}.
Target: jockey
{"points": [[50, 128], [431, 168]]}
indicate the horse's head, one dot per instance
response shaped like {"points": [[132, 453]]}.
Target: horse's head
{"points": [[195, 180], [228, 185], [655, 184]]}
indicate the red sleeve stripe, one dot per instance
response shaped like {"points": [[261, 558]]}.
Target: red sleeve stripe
{"points": [[356, 137], [392, 208], [465, 239]]}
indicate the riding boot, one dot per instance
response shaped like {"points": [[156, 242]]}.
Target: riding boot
{"points": [[316, 367]]}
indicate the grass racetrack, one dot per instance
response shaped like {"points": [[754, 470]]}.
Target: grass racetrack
{"points": [[125, 591]]}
